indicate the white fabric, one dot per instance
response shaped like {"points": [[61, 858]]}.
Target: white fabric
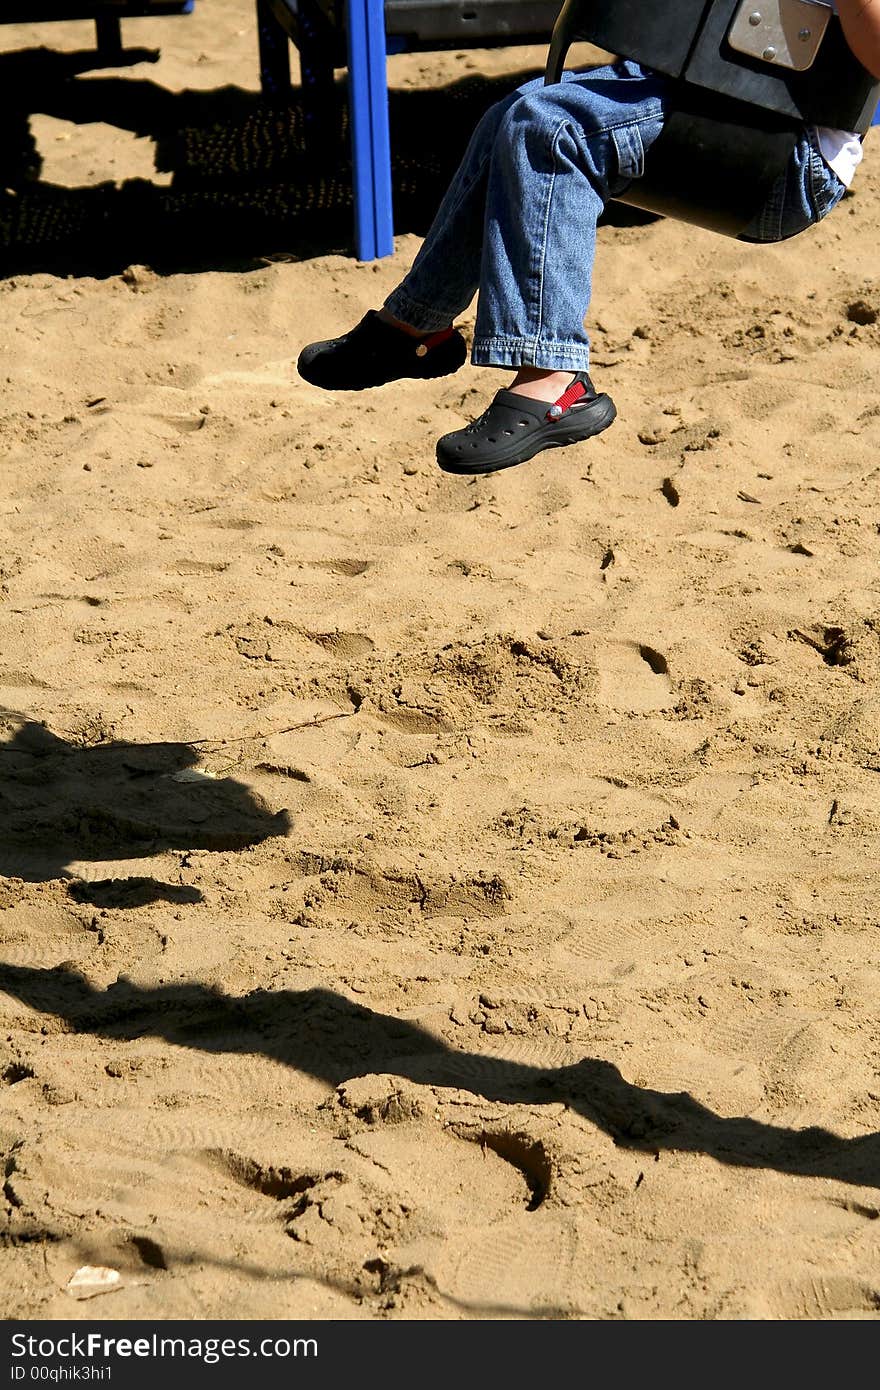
{"points": [[842, 152], [841, 149]]}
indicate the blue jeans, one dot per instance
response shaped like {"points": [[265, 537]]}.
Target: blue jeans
{"points": [[803, 194], [518, 221]]}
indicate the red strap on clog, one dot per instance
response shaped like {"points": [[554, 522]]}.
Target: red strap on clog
{"points": [[569, 397]]}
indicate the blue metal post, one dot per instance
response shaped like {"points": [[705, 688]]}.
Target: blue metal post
{"points": [[370, 140]]}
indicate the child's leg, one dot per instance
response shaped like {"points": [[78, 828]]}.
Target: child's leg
{"points": [[412, 335], [510, 201], [445, 274], [519, 222], [561, 152]]}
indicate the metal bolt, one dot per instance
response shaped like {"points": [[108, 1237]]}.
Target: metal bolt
{"points": [[804, 34], [755, 18], [769, 54]]}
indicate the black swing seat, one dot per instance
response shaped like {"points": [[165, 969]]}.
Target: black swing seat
{"points": [[747, 75]]}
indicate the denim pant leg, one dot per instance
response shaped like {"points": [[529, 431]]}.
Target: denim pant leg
{"points": [[561, 153], [519, 218], [445, 274], [805, 192]]}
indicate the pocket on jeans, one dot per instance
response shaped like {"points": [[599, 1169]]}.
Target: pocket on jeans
{"points": [[630, 150]]}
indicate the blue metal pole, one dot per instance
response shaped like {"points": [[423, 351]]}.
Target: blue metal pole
{"points": [[370, 139]]}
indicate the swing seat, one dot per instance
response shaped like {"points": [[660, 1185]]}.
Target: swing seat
{"points": [[746, 76]]}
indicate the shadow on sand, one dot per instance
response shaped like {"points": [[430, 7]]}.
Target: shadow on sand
{"points": [[325, 1035], [246, 184], [62, 804]]}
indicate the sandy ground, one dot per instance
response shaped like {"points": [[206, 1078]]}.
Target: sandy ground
{"points": [[434, 898]]}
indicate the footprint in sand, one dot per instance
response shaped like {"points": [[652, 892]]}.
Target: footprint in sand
{"points": [[278, 1183], [634, 678], [515, 1266], [823, 1297], [347, 646], [349, 569]]}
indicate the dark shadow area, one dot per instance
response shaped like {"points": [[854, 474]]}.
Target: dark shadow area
{"points": [[379, 1277], [250, 179], [131, 892], [321, 1033], [60, 803]]}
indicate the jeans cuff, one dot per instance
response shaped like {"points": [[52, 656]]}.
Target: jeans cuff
{"points": [[420, 316], [525, 352]]}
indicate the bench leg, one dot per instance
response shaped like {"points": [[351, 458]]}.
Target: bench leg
{"points": [[108, 31], [315, 41], [371, 144], [274, 48]]}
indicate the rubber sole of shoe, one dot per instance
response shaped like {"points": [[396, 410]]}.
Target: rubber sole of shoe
{"points": [[573, 428]]}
